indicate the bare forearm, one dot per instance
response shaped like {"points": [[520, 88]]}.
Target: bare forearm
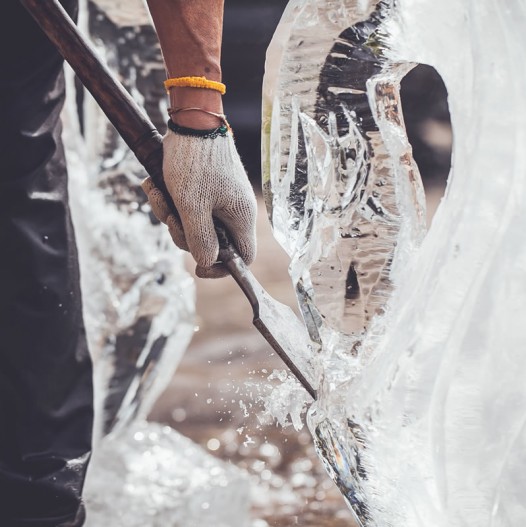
{"points": [[190, 33]]}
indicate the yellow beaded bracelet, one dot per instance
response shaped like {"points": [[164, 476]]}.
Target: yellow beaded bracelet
{"points": [[194, 82]]}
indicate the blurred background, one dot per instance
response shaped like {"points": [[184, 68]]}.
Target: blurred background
{"points": [[213, 397]]}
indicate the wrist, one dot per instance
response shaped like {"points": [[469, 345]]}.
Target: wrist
{"points": [[209, 100], [211, 133], [196, 98], [196, 119]]}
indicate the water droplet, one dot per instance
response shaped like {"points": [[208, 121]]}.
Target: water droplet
{"points": [[213, 444], [179, 415]]}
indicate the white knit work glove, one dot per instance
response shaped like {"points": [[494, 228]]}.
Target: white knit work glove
{"points": [[205, 179]]}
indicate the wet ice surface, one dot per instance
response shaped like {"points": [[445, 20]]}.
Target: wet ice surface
{"points": [[346, 201], [138, 298], [421, 412], [339, 205]]}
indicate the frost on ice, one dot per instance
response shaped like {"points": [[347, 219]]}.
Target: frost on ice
{"points": [[139, 312], [421, 410]]}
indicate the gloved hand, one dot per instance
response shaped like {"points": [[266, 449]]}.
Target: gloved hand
{"points": [[205, 179]]}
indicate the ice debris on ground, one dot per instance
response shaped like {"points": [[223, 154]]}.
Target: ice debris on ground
{"points": [[422, 404], [155, 477]]}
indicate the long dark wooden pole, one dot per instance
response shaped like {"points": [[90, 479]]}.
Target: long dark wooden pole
{"points": [[123, 112]]}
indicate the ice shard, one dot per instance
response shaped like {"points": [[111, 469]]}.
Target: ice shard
{"points": [[421, 410]]}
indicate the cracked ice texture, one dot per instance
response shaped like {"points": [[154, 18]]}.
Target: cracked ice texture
{"points": [[422, 405], [338, 203]]}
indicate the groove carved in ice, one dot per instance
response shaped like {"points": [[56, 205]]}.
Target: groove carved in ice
{"points": [[335, 196], [421, 410]]}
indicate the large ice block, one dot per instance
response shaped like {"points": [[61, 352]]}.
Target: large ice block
{"points": [[138, 298], [421, 412], [139, 313]]}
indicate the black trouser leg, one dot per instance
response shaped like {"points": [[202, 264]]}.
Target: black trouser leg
{"points": [[45, 370]]}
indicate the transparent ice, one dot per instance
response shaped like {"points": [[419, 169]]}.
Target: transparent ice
{"points": [[139, 311], [422, 405], [158, 478]]}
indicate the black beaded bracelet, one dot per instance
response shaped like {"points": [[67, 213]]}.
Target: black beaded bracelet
{"points": [[204, 134]]}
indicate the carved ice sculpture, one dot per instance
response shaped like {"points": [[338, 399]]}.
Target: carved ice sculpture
{"points": [[422, 404]]}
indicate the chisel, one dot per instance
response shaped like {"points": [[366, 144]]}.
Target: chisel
{"points": [[276, 322]]}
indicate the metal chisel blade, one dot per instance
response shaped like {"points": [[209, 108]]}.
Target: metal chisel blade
{"points": [[278, 324]]}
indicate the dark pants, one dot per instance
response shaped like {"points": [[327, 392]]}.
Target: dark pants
{"points": [[45, 371]]}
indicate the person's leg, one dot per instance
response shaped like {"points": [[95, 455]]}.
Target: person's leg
{"points": [[45, 371]]}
